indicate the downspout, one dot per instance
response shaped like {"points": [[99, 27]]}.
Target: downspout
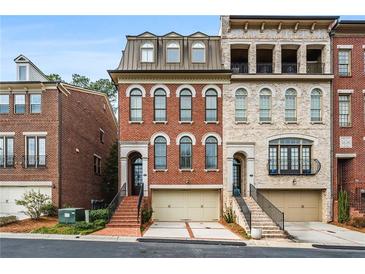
{"points": [[60, 172]]}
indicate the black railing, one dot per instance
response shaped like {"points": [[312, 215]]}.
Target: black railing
{"points": [[304, 168], [264, 68], [272, 211], [244, 208], [34, 161], [7, 161], [315, 68], [239, 68], [289, 68], [140, 197], [116, 201]]}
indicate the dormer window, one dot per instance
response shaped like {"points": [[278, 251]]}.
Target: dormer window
{"points": [[198, 52], [173, 53], [22, 73], [147, 52]]}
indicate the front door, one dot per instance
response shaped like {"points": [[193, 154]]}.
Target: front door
{"points": [[236, 177], [137, 175]]}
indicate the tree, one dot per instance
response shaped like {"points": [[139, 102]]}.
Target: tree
{"points": [[110, 173], [54, 77], [34, 202], [80, 81]]}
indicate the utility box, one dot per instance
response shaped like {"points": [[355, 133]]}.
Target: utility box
{"points": [[71, 215]]}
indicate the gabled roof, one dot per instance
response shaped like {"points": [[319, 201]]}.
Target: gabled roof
{"points": [[199, 34], [146, 34], [23, 59], [172, 34]]}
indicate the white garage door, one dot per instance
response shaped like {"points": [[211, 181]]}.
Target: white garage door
{"points": [[297, 205], [181, 205], [8, 195]]}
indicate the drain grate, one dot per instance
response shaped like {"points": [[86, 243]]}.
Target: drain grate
{"points": [[331, 231]]}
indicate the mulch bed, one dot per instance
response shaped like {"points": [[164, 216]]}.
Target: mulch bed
{"points": [[28, 225], [349, 227], [236, 229]]}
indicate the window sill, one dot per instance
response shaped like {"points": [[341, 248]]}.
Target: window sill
{"points": [[211, 122], [160, 122], [186, 170], [211, 170], [241, 122], [350, 126], [291, 123], [268, 123], [317, 123], [135, 122], [186, 122], [160, 170]]}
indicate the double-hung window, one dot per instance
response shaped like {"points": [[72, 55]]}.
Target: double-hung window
{"points": [[316, 106], [19, 103], [97, 165], [198, 52], [173, 53], [211, 106], [160, 153], [147, 53], [241, 105], [35, 103], [185, 105], [160, 105], [186, 153], [211, 153], [135, 105], [4, 103], [265, 106], [35, 151], [290, 105], [22, 73], [344, 62], [6, 151], [344, 108]]}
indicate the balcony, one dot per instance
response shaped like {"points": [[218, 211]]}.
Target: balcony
{"points": [[315, 68], [304, 168], [289, 68], [238, 68], [264, 68], [34, 161], [7, 161]]}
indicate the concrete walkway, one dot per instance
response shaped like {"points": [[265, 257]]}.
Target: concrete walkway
{"points": [[325, 234]]}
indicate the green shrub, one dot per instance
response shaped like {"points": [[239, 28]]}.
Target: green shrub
{"points": [[7, 220], [33, 202], [99, 214], [229, 215], [343, 207], [99, 223], [49, 210], [80, 228], [146, 215], [84, 225], [358, 222]]}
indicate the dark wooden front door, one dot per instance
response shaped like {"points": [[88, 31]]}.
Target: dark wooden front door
{"points": [[137, 175], [236, 177]]}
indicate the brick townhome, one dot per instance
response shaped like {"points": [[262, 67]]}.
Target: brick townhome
{"points": [[349, 114], [170, 118], [53, 138]]}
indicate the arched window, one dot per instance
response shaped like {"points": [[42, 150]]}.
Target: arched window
{"points": [[290, 105], [160, 152], [316, 105], [265, 105], [186, 153], [241, 105], [147, 52], [211, 153], [173, 52], [160, 105], [135, 105], [185, 105], [211, 105], [198, 52]]}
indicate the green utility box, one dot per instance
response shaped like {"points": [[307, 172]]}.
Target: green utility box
{"points": [[71, 215]]}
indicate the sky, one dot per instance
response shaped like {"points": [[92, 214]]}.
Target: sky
{"points": [[87, 45]]}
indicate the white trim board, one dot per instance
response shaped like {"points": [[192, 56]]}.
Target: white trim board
{"points": [[35, 133], [25, 183]]}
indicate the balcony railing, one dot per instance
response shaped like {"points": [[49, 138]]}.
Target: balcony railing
{"points": [[239, 68], [304, 168], [264, 68], [34, 161], [7, 161], [356, 193], [289, 68], [315, 68]]}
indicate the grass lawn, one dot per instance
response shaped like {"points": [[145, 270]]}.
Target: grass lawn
{"points": [[80, 228]]}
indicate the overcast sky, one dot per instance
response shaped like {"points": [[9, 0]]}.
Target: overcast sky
{"points": [[87, 45]]}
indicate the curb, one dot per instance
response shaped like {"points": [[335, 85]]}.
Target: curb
{"points": [[343, 247], [187, 241]]}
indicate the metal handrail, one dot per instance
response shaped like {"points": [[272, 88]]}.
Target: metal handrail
{"points": [[314, 167], [239, 67], [140, 196], [244, 208], [118, 198], [315, 67], [264, 68], [289, 68], [272, 211]]}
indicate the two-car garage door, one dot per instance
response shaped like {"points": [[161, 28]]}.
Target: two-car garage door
{"points": [[182, 205], [297, 205]]}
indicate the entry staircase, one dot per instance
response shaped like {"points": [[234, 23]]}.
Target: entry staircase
{"points": [[126, 214]]}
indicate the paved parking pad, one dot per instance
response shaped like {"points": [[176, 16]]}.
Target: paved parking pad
{"points": [[212, 230], [167, 230]]}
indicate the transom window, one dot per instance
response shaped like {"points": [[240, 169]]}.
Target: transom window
{"points": [[211, 153], [135, 105], [160, 153], [35, 103], [6, 151], [4, 103], [147, 52], [265, 105], [316, 105], [241, 105], [185, 105], [160, 105], [290, 156], [35, 151], [198, 52], [173, 52], [211, 106], [186, 153], [19, 103], [344, 61], [344, 107], [291, 105]]}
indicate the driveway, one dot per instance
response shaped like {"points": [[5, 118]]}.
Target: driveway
{"points": [[322, 233], [190, 230]]}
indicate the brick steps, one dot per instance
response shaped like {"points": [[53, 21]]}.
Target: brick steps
{"points": [[125, 215]]}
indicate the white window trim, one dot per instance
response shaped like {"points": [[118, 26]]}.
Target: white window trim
{"points": [[183, 134], [156, 87], [157, 134], [345, 46], [189, 87], [26, 65], [6, 134], [168, 46], [214, 87], [213, 134], [132, 87], [35, 133], [205, 52], [345, 91], [153, 51]]}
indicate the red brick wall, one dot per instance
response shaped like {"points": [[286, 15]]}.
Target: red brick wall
{"points": [[83, 115], [47, 121], [354, 171], [143, 132]]}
